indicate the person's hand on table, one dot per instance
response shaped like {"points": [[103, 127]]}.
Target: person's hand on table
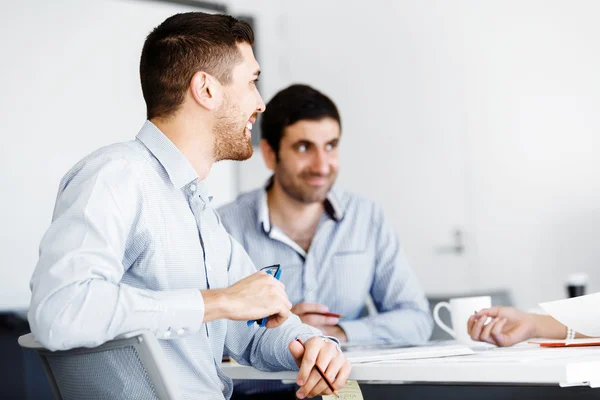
{"points": [[507, 326], [311, 314], [328, 357]]}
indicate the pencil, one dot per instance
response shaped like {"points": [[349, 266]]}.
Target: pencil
{"points": [[320, 371]]}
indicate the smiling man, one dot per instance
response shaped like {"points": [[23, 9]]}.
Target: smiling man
{"points": [[335, 248], [135, 245]]}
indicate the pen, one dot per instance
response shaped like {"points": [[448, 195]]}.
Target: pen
{"points": [[320, 371], [327, 314]]}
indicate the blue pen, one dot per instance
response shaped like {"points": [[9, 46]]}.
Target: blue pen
{"points": [[274, 270]]}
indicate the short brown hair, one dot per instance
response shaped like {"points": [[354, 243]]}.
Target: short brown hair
{"points": [[183, 45], [292, 104]]}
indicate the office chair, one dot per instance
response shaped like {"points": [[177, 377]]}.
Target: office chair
{"points": [[131, 368], [499, 298]]}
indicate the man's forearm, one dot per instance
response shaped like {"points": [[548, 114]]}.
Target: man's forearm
{"points": [[87, 315]]}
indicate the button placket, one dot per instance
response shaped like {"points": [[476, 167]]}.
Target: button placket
{"points": [[310, 283]]}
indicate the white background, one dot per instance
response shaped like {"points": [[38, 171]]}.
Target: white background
{"points": [[481, 116], [70, 84], [470, 115]]}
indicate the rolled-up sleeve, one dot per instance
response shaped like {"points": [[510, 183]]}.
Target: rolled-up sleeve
{"points": [[78, 299]]}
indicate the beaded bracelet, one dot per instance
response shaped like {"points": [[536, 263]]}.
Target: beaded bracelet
{"points": [[570, 334]]}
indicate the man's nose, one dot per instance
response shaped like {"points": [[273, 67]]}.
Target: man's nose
{"points": [[321, 163]]}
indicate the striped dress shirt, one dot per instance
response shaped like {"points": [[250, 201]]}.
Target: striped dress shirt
{"points": [[354, 253], [132, 242]]}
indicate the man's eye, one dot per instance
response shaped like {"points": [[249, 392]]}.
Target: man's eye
{"points": [[302, 148], [329, 147]]}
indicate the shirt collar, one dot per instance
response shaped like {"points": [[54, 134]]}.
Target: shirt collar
{"points": [[178, 167], [333, 206]]}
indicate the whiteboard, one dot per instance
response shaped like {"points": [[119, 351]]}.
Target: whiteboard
{"points": [[69, 84]]}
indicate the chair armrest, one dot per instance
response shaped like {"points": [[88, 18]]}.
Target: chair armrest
{"points": [[28, 341]]}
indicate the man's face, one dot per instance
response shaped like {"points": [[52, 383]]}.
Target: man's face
{"points": [[237, 113], [308, 159]]}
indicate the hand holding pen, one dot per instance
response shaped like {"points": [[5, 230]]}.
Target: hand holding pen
{"points": [[318, 315], [323, 367]]}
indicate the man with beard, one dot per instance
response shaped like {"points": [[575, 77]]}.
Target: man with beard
{"points": [[335, 248], [134, 244]]}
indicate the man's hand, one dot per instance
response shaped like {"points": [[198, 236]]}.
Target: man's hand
{"points": [[325, 354], [507, 327], [310, 314], [254, 297]]}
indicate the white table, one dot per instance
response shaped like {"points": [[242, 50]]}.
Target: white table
{"points": [[523, 365]]}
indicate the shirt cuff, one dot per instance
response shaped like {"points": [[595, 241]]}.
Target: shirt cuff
{"points": [[306, 336], [356, 330], [334, 340], [305, 333], [181, 313]]}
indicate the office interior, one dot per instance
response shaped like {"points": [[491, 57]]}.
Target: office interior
{"points": [[473, 124]]}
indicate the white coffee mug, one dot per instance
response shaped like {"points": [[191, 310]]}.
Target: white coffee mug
{"points": [[460, 310]]}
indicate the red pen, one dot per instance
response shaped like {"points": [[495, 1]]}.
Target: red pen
{"points": [[327, 314], [320, 371]]}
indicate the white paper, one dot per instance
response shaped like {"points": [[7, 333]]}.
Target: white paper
{"points": [[407, 353], [522, 353], [582, 314]]}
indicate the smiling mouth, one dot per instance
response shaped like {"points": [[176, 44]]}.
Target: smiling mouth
{"points": [[316, 180], [249, 125]]}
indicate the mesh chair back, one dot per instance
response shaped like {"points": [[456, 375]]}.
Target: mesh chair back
{"points": [[116, 373], [131, 368]]}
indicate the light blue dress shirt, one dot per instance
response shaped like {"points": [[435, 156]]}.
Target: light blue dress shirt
{"points": [[354, 254], [132, 242]]}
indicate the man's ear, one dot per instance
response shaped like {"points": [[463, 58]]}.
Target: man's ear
{"points": [[268, 154], [206, 90]]}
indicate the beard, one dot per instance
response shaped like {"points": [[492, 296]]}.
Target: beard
{"points": [[231, 142], [300, 191]]}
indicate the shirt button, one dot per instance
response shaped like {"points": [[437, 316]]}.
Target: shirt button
{"points": [[167, 334], [192, 188], [181, 331]]}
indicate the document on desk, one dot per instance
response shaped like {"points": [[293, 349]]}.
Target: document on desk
{"points": [[582, 314], [406, 353], [350, 391], [523, 353]]}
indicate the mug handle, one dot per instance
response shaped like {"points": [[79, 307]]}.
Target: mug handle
{"points": [[439, 321]]}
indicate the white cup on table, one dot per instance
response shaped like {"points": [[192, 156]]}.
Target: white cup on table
{"points": [[460, 309]]}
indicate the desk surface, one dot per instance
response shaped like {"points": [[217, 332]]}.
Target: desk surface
{"points": [[522, 364]]}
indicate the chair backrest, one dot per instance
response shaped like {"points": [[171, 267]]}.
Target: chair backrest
{"points": [[131, 368], [499, 298]]}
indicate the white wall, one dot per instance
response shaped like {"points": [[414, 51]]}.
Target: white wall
{"points": [[483, 114], [533, 123], [70, 84], [464, 114]]}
